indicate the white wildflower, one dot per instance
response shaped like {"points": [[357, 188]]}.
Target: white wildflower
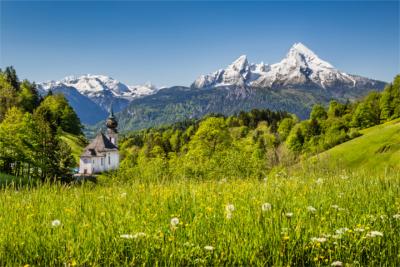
{"points": [[396, 216], [344, 177], [123, 195], [383, 217], [341, 230], [174, 222], [209, 248], [319, 181], [230, 208], [319, 239], [188, 244], [336, 207], [311, 209], [126, 236], [266, 207], [139, 235], [55, 223], [373, 234], [289, 215], [337, 264], [229, 215], [359, 230]]}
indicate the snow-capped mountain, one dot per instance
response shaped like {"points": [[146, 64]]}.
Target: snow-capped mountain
{"points": [[102, 90], [300, 68], [294, 84], [96, 85]]}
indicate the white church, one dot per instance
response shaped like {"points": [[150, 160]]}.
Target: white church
{"points": [[102, 153]]}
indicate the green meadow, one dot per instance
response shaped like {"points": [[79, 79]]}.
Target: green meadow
{"points": [[377, 150], [313, 218]]}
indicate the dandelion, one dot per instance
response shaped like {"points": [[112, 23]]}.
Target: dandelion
{"points": [[209, 248], [126, 236], [266, 207], [289, 215], [174, 222], [373, 234], [230, 208], [337, 264], [396, 216], [229, 215], [311, 209], [341, 230], [55, 223]]}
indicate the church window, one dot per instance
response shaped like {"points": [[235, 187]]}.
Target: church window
{"points": [[109, 160]]}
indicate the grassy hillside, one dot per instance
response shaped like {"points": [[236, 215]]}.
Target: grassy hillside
{"points": [[378, 149], [76, 143]]}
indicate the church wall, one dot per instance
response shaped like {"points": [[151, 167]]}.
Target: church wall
{"points": [[85, 164], [114, 160], [110, 161]]}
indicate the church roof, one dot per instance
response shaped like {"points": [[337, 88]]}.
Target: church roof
{"points": [[98, 146]]}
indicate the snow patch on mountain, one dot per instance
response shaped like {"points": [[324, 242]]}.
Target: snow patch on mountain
{"points": [[97, 85], [300, 67]]}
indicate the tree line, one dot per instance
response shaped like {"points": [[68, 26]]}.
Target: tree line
{"points": [[30, 130], [340, 122], [250, 143]]}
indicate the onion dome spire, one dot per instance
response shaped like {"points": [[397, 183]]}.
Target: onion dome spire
{"points": [[111, 122]]}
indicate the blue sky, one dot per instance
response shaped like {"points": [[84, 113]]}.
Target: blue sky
{"points": [[172, 43]]}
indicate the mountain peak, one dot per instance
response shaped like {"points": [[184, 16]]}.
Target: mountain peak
{"points": [[299, 54], [240, 63], [301, 67], [301, 48]]}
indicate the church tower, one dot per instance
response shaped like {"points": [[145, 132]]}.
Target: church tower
{"points": [[112, 132]]}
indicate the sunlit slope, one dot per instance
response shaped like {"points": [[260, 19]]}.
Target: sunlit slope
{"points": [[76, 143], [377, 149]]}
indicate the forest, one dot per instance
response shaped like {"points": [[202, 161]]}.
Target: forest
{"points": [[251, 144], [30, 130]]}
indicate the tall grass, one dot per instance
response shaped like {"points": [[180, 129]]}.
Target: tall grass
{"points": [[129, 223]]}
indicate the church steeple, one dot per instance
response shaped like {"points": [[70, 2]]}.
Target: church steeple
{"points": [[112, 125]]}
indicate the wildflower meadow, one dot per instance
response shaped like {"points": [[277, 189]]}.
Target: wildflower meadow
{"points": [[350, 219]]}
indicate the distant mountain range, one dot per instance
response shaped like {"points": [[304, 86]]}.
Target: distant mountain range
{"points": [[92, 95], [294, 84]]}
